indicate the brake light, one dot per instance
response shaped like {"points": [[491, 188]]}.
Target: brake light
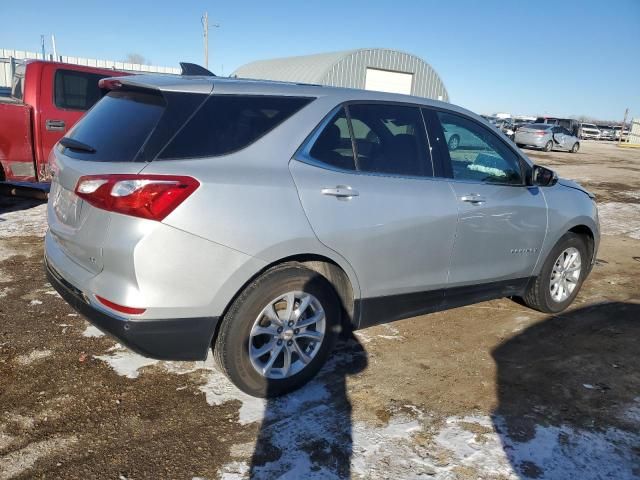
{"points": [[120, 308], [146, 196], [540, 133]]}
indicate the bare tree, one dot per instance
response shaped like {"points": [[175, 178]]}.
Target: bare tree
{"points": [[135, 58]]}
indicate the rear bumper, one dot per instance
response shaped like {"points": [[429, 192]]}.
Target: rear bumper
{"points": [[170, 339]]}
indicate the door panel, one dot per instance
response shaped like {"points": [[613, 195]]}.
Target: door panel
{"points": [[498, 237], [502, 223], [397, 233]]}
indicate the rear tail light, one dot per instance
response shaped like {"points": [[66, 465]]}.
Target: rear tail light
{"points": [[146, 196], [121, 308], [541, 133]]}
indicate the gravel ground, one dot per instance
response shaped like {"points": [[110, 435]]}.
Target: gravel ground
{"points": [[492, 391]]}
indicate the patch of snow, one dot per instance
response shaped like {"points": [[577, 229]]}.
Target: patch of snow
{"points": [[125, 362], [4, 291], [92, 332], [18, 462], [27, 222], [32, 357], [35, 302], [617, 218]]}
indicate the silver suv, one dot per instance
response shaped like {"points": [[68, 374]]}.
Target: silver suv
{"points": [[264, 218]]}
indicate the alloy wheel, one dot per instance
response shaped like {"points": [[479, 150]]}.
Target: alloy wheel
{"points": [[565, 274], [287, 335]]}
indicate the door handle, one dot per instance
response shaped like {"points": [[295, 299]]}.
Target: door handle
{"points": [[474, 198], [342, 192], [54, 125]]}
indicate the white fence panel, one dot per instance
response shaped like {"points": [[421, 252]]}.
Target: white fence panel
{"points": [[7, 54]]}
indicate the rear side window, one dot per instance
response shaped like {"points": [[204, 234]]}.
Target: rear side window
{"points": [[76, 90], [118, 126], [228, 123], [333, 146], [390, 139]]}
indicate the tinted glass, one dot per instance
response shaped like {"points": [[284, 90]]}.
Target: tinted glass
{"points": [[228, 123], [76, 90], [538, 126], [333, 146], [117, 126], [17, 82], [390, 139], [477, 154]]}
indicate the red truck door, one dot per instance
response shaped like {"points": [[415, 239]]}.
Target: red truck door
{"points": [[67, 92]]}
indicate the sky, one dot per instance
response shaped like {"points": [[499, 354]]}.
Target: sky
{"points": [[562, 57]]}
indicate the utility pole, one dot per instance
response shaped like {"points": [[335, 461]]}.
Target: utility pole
{"points": [[53, 46], [42, 46], [624, 123], [205, 28]]}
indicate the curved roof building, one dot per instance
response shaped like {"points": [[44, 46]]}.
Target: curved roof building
{"points": [[367, 68]]}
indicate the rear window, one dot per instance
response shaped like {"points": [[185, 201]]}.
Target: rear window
{"points": [[76, 90], [228, 123], [118, 126], [537, 126]]}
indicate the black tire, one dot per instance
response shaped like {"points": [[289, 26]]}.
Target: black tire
{"points": [[538, 294], [520, 145], [231, 350], [575, 148], [548, 146], [453, 143]]}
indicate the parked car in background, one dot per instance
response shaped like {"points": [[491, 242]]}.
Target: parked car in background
{"points": [[547, 137], [262, 218], [46, 100], [619, 131], [569, 123], [589, 131], [606, 132]]}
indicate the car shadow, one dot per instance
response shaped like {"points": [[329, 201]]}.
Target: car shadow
{"points": [[568, 390], [14, 204], [308, 433]]}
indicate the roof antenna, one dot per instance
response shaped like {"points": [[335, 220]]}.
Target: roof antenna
{"points": [[191, 69]]}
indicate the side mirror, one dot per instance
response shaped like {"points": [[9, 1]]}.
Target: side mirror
{"points": [[543, 177]]}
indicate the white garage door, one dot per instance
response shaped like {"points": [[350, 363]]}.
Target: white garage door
{"points": [[386, 81]]}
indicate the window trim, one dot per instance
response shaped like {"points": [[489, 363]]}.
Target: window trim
{"points": [[53, 90], [446, 157], [303, 152]]}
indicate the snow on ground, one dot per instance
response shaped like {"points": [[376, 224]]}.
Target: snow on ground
{"points": [[30, 221], [305, 425], [618, 218]]}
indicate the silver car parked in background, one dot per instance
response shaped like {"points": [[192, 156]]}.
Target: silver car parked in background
{"points": [[547, 137], [261, 219]]}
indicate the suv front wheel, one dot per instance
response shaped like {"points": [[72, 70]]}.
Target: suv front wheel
{"points": [[279, 332], [561, 276]]}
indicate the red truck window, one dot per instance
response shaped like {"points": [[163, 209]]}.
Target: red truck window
{"points": [[76, 90]]}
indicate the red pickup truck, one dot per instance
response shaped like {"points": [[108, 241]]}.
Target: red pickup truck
{"points": [[47, 99]]}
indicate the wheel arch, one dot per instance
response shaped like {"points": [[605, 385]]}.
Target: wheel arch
{"points": [[587, 233], [334, 273]]}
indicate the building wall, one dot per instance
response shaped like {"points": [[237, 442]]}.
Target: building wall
{"points": [[6, 55], [351, 71]]}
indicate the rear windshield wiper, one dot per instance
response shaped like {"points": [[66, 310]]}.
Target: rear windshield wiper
{"points": [[76, 145]]}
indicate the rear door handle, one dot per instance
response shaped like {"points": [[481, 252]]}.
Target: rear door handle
{"points": [[474, 198], [54, 125], [342, 192]]}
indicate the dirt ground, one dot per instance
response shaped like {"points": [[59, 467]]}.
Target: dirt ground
{"points": [[492, 391]]}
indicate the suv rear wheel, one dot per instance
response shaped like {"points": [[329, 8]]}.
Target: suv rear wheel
{"points": [[548, 146], [279, 332], [561, 276]]}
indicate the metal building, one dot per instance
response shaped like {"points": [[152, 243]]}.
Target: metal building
{"points": [[367, 68]]}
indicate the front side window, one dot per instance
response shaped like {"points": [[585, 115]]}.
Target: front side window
{"points": [[390, 139], [76, 90], [333, 146], [477, 154], [228, 123]]}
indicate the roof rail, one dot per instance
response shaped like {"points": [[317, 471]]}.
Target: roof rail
{"points": [[194, 69]]}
